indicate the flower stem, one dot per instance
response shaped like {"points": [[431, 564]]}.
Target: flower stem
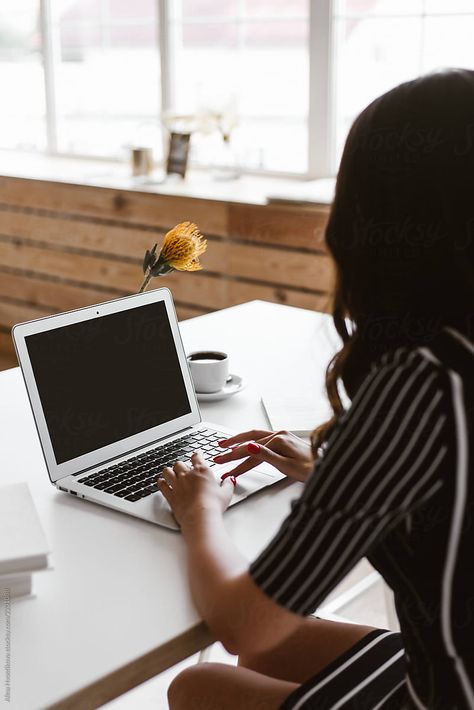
{"points": [[145, 283]]}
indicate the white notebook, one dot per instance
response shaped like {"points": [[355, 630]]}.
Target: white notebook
{"points": [[23, 545], [18, 584], [299, 414]]}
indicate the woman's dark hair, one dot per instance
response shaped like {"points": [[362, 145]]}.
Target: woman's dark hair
{"points": [[401, 227]]}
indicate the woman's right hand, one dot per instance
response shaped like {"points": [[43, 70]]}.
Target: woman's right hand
{"points": [[287, 452]]}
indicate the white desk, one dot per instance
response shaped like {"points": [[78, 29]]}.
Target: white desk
{"points": [[116, 610]]}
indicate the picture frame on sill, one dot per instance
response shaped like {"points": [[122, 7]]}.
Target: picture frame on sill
{"points": [[178, 154]]}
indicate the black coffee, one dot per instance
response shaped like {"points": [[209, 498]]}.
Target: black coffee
{"points": [[207, 356]]}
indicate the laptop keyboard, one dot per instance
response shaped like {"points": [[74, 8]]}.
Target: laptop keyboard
{"points": [[135, 478]]}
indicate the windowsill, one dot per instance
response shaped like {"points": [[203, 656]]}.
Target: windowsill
{"points": [[247, 189]]}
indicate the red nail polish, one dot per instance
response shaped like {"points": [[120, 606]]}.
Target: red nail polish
{"points": [[233, 480], [224, 476], [253, 447]]}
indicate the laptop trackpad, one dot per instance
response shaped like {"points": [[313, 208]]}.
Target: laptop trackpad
{"points": [[253, 481]]}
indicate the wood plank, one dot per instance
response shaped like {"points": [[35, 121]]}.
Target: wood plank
{"points": [[313, 271], [7, 352], [198, 288], [278, 266], [240, 292], [201, 290], [12, 313], [289, 226], [121, 275], [129, 206], [184, 312], [77, 234], [54, 294]]}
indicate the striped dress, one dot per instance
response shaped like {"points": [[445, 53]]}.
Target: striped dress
{"points": [[395, 484]]}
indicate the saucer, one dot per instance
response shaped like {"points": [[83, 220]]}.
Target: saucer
{"points": [[233, 385]]}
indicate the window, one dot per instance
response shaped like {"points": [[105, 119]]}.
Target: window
{"points": [[381, 43], [250, 58], [286, 77], [106, 75], [23, 110]]}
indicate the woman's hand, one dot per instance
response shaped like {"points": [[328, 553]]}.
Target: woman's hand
{"points": [[193, 492], [287, 452]]}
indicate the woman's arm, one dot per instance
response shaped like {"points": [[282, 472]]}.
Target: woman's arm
{"points": [[389, 455], [288, 453], [238, 613]]}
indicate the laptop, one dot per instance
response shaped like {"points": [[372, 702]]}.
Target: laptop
{"points": [[114, 402]]}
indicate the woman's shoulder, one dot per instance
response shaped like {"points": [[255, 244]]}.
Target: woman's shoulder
{"points": [[406, 365], [447, 353]]}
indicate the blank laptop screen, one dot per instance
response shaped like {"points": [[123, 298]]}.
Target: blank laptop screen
{"points": [[107, 378]]}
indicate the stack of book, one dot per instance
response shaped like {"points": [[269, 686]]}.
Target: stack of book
{"points": [[23, 545]]}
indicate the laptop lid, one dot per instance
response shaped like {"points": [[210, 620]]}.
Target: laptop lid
{"points": [[106, 379]]}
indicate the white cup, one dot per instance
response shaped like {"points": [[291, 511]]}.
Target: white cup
{"points": [[209, 370]]}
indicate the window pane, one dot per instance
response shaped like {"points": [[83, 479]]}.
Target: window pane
{"points": [[375, 54], [281, 146], [292, 33], [277, 8], [448, 42], [449, 8], [22, 115], [73, 10], [108, 77], [379, 7], [214, 8], [259, 68], [132, 10], [272, 79], [370, 62], [218, 34]]}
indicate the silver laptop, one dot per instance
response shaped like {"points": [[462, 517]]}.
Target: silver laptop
{"points": [[114, 402]]}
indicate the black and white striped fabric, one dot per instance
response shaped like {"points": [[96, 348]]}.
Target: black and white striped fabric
{"points": [[395, 485]]}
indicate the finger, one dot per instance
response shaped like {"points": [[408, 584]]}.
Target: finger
{"points": [[165, 489], [198, 458], [242, 468], [180, 467], [244, 436], [228, 478], [227, 491], [169, 476], [239, 452], [264, 453]]}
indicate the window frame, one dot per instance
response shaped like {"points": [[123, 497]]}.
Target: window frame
{"points": [[320, 151]]}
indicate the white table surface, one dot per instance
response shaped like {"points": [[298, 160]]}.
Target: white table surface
{"points": [[117, 601]]}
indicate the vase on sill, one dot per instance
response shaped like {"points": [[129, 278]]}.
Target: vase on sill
{"points": [[225, 164]]}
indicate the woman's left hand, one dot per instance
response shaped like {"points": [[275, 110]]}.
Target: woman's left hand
{"points": [[193, 492]]}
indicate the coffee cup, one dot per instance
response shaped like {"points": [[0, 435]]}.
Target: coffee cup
{"points": [[209, 370]]}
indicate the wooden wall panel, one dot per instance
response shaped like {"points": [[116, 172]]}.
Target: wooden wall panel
{"points": [[11, 313], [106, 203], [75, 234], [7, 352], [270, 264], [53, 294], [278, 224], [267, 263], [67, 246]]}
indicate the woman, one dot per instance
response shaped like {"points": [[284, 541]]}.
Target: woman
{"points": [[393, 476]]}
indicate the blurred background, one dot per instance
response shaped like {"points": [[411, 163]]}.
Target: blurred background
{"points": [[267, 89], [262, 92], [88, 78]]}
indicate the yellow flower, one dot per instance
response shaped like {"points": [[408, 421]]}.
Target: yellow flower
{"points": [[182, 247]]}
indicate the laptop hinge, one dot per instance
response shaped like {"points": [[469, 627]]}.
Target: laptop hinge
{"points": [[128, 453]]}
